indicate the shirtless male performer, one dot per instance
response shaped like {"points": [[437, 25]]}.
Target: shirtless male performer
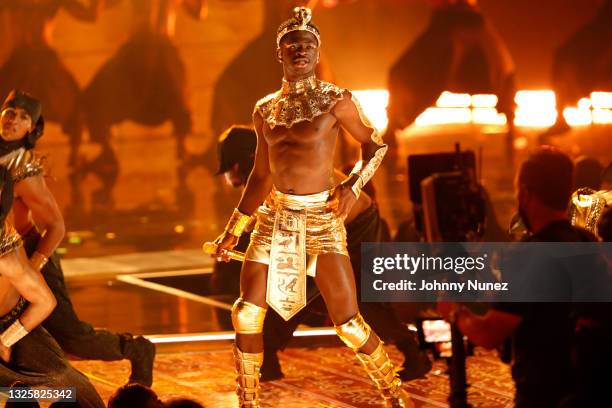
{"points": [[39, 221], [300, 227], [28, 353]]}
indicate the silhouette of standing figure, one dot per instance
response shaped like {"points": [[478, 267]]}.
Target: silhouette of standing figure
{"points": [[582, 64], [33, 65], [459, 51], [145, 81]]}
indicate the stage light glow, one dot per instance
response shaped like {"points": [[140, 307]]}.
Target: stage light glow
{"points": [[520, 143], [484, 101], [488, 116], [441, 116], [454, 100], [584, 103], [535, 98], [601, 100], [577, 116], [221, 336], [535, 108], [374, 104], [602, 116]]}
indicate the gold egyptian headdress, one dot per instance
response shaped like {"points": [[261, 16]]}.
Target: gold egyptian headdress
{"points": [[299, 22]]}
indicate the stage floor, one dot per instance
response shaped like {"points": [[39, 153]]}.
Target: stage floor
{"points": [[314, 377], [162, 304]]}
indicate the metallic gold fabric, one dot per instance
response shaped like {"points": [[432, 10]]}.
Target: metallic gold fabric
{"points": [[248, 366], [247, 318], [299, 22], [298, 101], [380, 369], [586, 207], [22, 163], [9, 239], [286, 286], [305, 227], [354, 333]]}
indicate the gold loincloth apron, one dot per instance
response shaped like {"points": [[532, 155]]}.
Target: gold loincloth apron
{"points": [[291, 231]]}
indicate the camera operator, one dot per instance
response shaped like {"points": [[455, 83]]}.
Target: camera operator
{"points": [[541, 333]]}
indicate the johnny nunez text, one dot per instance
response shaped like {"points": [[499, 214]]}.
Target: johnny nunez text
{"points": [[434, 285]]}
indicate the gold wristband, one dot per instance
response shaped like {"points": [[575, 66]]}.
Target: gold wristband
{"points": [[237, 223], [358, 185], [13, 334]]}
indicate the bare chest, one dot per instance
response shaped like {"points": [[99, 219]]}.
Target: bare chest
{"points": [[321, 130]]}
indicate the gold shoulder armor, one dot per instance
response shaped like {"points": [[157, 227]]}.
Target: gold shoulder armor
{"points": [[264, 105], [22, 164]]}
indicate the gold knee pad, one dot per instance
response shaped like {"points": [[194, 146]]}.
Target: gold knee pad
{"points": [[354, 333], [247, 317]]}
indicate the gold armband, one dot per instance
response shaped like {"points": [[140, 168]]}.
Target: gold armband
{"points": [[365, 170], [237, 223], [13, 334], [358, 184]]}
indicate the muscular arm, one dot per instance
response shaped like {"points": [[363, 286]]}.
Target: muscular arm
{"points": [[30, 285], [257, 188], [37, 197], [259, 182], [348, 114]]}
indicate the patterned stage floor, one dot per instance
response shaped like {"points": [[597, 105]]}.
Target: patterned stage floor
{"points": [[322, 377]]}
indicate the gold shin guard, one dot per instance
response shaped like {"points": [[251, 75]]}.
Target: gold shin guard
{"points": [[355, 333], [380, 369], [247, 318], [247, 368]]}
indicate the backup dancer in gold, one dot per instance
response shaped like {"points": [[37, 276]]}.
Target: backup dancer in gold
{"points": [[299, 227]]}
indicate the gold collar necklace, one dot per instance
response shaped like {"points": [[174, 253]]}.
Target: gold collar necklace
{"points": [[300, 86]]}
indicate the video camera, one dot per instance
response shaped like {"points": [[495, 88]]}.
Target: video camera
{"points": [[447, 199]]}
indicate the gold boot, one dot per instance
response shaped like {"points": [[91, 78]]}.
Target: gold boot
{"points": [[380, 369], [247, 368]]}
